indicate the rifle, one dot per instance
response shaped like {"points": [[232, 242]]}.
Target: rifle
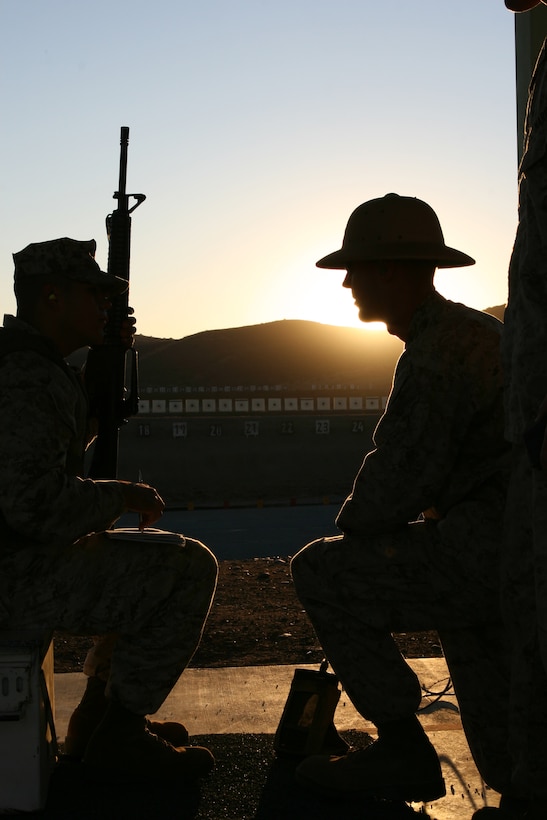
{"points": [[110, 366]]}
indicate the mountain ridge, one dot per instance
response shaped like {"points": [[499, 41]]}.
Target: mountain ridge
{"points": [[288, 351], [293, 352]]}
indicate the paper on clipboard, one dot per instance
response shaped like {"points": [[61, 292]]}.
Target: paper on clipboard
{"points": [[147, 536]]}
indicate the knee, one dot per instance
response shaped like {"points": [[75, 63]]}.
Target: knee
{"points": [[297, 562], [204, 563], [303, 563], [315, 562]]}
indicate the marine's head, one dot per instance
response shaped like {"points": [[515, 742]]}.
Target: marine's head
{"points": [[391, 248], [394, 227], [63, 293]]}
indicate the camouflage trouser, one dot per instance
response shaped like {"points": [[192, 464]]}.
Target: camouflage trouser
{"points": [[358, 592], [524, 602], [153, 597]]}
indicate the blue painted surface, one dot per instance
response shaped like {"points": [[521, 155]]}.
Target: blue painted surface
{"points": [[251, 532]]}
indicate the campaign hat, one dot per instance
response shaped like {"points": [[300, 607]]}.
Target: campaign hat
{"points": [[394, 227]]}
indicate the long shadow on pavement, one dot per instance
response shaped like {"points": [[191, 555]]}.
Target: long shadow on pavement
{"points": [[248, 783]]}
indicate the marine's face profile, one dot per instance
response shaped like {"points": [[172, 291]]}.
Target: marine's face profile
{"points": [[82, 313], [370, 290]]}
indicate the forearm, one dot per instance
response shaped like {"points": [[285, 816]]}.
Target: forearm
{"points": [[63, 508]]}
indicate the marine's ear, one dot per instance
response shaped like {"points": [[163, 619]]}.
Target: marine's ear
{"points": [[50, 294]]}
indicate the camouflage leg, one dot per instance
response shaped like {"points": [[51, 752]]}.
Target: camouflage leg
{"points": [[357, 593], [478, 662], [525, 610], [539, 530], [339, 582], [147, 662], [155, 597]]}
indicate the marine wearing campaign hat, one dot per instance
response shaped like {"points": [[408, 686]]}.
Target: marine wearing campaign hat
{"points": [[394, 227]]}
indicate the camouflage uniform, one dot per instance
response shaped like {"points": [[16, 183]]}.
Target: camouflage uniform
{"points": [[57, 567], [439, 452], [524, 584]]}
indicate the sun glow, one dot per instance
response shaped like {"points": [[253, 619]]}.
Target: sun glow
{"points": [[315, 295], [374, 326], [318, 296]]}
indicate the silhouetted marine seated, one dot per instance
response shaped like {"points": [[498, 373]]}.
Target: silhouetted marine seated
{"points": [[59, 570], [422, 527]]}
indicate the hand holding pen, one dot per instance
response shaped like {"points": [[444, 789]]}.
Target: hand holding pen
{"points": [[145, 500]]}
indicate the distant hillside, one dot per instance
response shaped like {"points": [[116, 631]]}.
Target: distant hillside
{"points": [[282, 461], [290, 352], [498, 311]]}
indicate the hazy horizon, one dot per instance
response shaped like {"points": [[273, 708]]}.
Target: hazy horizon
{"points": [[376, 328]]}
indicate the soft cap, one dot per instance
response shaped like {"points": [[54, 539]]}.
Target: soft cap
{"points": [[71, 258]]}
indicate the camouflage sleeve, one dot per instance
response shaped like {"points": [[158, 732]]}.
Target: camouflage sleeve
{"points": [[40, 420], [92, 425], [418, 443], [525, 335]]}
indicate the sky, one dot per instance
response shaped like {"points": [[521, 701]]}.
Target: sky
{"points": [[255, 129]]}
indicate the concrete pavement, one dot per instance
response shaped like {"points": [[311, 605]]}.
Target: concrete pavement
{"points": [[248, 701]]}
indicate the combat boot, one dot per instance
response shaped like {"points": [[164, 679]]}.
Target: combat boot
{"points": [[334, 743], [512, 808], [122, 749], [91, 710], [398, 766]]}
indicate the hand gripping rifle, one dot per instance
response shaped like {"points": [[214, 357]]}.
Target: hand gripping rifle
{"points": [[110, 367]]}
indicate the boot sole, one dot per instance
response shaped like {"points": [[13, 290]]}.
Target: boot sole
{"points": [[108, 777], [425, 792], [129, 776]]}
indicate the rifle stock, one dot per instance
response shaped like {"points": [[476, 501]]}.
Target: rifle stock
{"points": [[108, 366]]}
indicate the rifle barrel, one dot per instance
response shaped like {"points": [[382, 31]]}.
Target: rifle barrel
{"points": [[106, 365], [121, 195]]}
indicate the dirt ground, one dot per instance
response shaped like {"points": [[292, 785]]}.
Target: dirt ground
{"points": [[256, 619]]}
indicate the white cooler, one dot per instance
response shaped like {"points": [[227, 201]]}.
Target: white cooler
{"points": [[28, 746]]}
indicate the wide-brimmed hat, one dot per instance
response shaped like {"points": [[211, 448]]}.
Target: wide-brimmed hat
{"points": [[522, 5], [394, 227], [71, 258]]}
